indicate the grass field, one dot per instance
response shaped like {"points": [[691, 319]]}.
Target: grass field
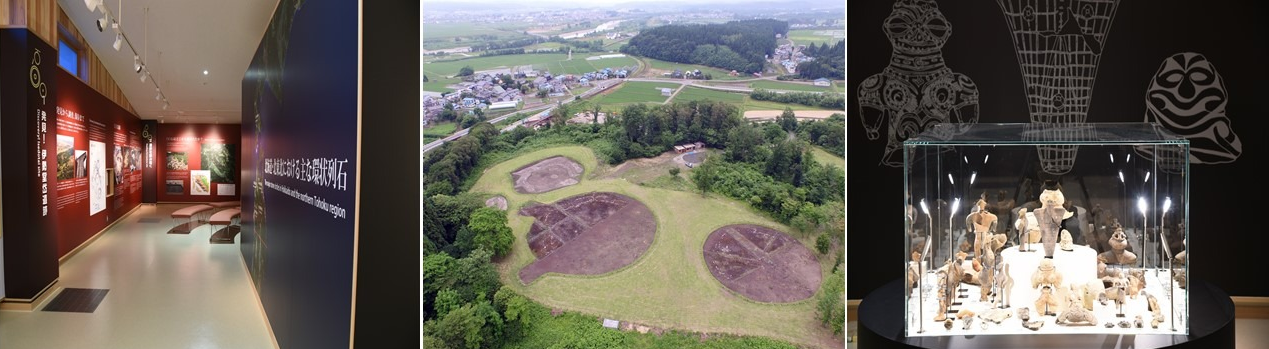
{"points": [[777, 85], [824, 157], [449, 68], [717, 73], [816, 36], [438, 131], [751, 104], [699, 94], [670, 285], [635, 92], [437, 36]]}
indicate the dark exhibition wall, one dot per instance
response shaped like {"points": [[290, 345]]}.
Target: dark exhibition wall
{"points": [[300, 114], [72, 162], [321, 235], [1196, 68], [197, 162]]}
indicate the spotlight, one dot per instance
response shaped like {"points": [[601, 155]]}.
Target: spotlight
{"points": [[164, 105], [118, 41], [136, 63], [92, 4], [143, 77], [101, 23]]}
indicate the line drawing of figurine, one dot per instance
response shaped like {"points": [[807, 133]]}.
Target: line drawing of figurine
{"points": [[1188, 97], [1059, 45], [916, 90]]}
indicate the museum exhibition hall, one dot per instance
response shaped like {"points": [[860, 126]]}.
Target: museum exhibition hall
{"points": [[190, 174]]}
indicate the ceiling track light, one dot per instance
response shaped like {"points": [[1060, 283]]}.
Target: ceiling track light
{"points": [[118, 41], [101, 23], [143, 76]]}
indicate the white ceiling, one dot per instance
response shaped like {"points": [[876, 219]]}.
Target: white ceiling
{"points": [[177, 40]]}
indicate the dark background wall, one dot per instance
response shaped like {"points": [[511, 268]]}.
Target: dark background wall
{"points": [[1230, 34], [388, 238], [299, 109], [30, 234]]}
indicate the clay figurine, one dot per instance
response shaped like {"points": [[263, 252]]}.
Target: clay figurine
{"points": [[981, 222], [1117, 292], [964, 313], [1125, 324], [1065, 244], [1033, 325], [1075, 313], [1119, 253], [1046, 274], [914, 275], [1046, 304], [1156, 314], [1024, 314], [1181, 280], [987, 276], [1004, 285], [942, 295], [1024, 231], [1137, 322], [1136, 282], [947, 324], [1051, 214]]}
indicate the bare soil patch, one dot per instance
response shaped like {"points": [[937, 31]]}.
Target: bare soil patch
{"points": [[800, 114], [762, 264], [498, 202], [587, 234], [547, 175]]}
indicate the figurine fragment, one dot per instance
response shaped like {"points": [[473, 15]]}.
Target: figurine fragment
{"points": [[1066, 243], [1119, 253], [1046, 304], [1181, 280], [1075, 312], [1024, 314], [1156, 313], [1124, 324], [982, 222], [1004, 285], [1137, 322], [995, 315], [1033, 325], [1046, 274], [968, 322], [1136, 282]]}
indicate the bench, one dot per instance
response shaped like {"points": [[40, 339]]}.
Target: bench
{"points": [[192, 216], [227, 218], [224, 204]]}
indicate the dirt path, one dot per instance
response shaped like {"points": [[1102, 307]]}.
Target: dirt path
{"points": [[800, 114]]}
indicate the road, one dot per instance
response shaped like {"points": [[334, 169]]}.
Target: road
{"points": [[599, 87]]}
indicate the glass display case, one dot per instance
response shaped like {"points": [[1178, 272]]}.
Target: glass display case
{"points": [[1046, 228]]}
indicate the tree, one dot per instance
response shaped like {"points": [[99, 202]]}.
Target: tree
{"points": [[489, 225], [743, 143], [446, 300], [822, 243], [465, 71], [788, 121], [674, 171], [704, 175], [424, 77], [828, 308]]}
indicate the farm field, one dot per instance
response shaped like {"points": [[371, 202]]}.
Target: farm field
{"points": [[699, 94], [658, 67], [778, 85], [816, 36], [438, 131], [635, 92], [751, 104], [438, 36], [675, 289]]}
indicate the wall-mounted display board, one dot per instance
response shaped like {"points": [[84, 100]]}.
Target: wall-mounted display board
{"points": [[198, 162]]}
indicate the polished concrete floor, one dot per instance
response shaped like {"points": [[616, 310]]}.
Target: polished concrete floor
{"points": [[1249, 333], [166, 291]]}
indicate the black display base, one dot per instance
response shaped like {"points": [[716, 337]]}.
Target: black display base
{"points": [[881, 320]]}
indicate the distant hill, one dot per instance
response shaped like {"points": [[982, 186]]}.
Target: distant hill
{"points": [[737, 45]]}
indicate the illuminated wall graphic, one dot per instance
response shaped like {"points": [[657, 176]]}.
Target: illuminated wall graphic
{"points": [[917, 89], [1187, 96]]}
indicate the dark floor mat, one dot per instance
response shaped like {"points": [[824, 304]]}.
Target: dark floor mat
{"points": [[77, 300]]}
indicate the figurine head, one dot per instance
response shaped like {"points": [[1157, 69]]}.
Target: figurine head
{"points": [[917, 27], [1052, 198], [1046, 265]]}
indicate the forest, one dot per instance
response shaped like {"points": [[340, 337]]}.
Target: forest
{"points": [[830, 62], [736, 45]]}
